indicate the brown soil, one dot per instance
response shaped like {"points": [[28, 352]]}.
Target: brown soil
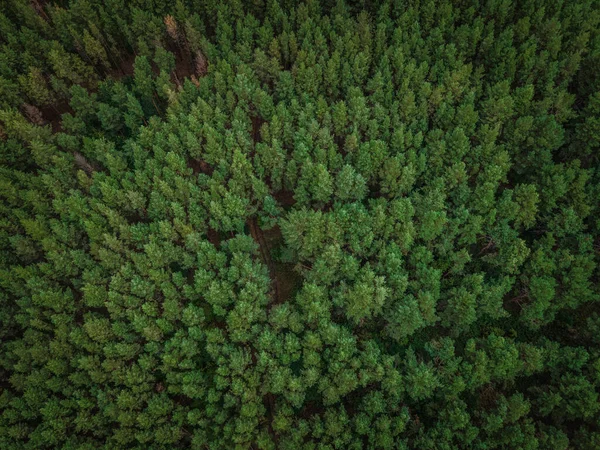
{"points": [[52, 114], [285, 280], [257, 122], [258, 236], [125, 67], [284, 198], [288, 280], [199, 166], [184, 67], [213, 237]]}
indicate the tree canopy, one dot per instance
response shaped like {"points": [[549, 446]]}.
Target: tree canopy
{"points": [[300, 225]]}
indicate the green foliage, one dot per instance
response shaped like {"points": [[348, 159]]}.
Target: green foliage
{"points": [[315, 225]]}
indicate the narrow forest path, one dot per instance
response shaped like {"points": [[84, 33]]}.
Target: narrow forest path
{"points": [[265, 253], [284, 279]]}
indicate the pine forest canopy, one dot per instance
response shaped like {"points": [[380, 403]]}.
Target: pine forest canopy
{"points": [[282, 225]]}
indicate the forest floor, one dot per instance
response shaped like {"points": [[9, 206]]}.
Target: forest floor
{"points": [[284, 279]]}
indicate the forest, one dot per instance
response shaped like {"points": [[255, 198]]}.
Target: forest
{"points": [[281, 225]]}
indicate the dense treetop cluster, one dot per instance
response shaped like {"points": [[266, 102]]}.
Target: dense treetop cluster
{"points": [[319, 225]]}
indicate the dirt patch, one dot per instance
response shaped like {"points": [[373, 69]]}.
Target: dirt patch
{"points": [[213, 237], [52, 114], [199, 166], [124, 69], [257, 123], [38, 6], [288, 279], [269, 403], [284, 198], [488, 397], [284, 279], [265, 255], [184, 67], [187, 63]]}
